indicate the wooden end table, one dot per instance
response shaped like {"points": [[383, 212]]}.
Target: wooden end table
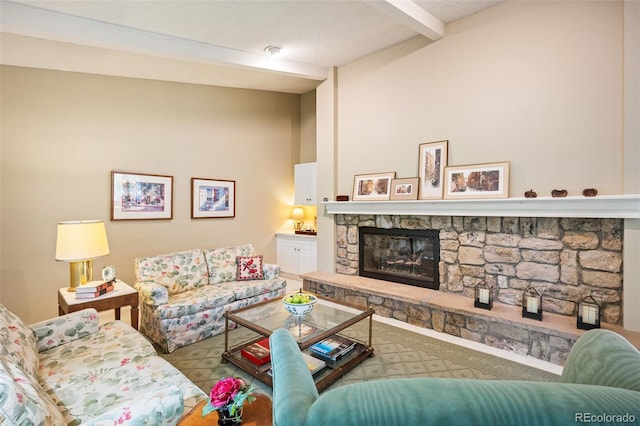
{"points": [[122, 295], [258, 413]]}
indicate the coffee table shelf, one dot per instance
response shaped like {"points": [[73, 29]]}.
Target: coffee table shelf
{"points": [[324, 321]]}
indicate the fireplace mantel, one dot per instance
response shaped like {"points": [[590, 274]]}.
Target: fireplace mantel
{"points": [[606, 206]]}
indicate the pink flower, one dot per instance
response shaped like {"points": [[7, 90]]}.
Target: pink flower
{"points": [[223, 392], [124, 361]]}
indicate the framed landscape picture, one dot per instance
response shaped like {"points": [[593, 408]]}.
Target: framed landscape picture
{"points": [[372, 187], [404, 189], [431, 164], [136, 196], [477, 181], [212, 198]]}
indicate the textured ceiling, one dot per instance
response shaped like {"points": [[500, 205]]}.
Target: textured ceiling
{"points": [[315, 33]]}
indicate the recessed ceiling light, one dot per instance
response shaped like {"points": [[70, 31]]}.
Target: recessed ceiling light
{"points": [[273, 50]]}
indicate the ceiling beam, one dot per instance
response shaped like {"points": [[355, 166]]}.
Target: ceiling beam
{"points": [[25, 20], [411, 15]]}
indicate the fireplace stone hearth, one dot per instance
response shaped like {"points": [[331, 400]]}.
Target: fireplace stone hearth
{"points": [[567, 258]]}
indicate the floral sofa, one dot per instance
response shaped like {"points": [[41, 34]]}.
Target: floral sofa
{"points": [[69, 370], [184, 295]]}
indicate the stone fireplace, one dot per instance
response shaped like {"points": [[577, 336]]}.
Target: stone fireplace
{"points": [[566, 258], [408, 256]]}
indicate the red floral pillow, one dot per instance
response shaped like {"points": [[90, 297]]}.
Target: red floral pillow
{"points": [[249, 268]]}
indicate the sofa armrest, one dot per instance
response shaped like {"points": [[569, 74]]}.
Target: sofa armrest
{"points": [[602, 357], [270, 271], [152, 293], [163, 406], [294, 390], [66, 328]]}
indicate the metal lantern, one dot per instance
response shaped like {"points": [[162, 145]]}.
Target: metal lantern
{"points": [[484, 296], [588, 313], [532, 304]]}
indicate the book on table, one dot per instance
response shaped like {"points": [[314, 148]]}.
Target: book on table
{"points": [[93, 286], [92, 295], [313, 364], [259, 352], [332, 348]]}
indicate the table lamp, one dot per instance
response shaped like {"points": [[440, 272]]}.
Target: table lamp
{"points": [[297, 214], [79, 242]]}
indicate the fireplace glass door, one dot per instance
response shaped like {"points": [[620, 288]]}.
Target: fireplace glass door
{"points": [[408, 256]]}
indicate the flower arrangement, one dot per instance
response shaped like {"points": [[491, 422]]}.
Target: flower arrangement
{"points": [[229, 394]]}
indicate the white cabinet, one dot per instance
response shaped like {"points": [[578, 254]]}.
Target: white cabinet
{"points": [[297, 254], [306, 183]]}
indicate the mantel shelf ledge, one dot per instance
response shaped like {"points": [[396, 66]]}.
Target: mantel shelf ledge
{"points": [[607, 206]]}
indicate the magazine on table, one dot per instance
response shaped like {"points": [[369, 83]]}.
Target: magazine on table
{"points": [[301, 329], [333, 347]]}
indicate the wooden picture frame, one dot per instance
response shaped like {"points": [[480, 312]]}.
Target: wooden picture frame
{"points": [[404, 189], [212, 198], [372, 187], [138, 196], [431, 164], [489, 180]]}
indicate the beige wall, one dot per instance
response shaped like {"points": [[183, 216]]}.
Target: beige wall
{"points": [[63, 133], [539, 84]]}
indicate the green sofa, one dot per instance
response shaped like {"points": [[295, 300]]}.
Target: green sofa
{"points": [[600, 384]]}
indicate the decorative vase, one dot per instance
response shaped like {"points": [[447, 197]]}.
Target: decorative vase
{"points": [[226, 419]]}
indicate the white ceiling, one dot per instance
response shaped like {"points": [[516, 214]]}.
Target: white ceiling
{"points": [[315, 35]]}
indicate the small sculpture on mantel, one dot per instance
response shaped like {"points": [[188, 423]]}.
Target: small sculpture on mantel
{"points": [[530, 194], [590, 192], [559, 193]]}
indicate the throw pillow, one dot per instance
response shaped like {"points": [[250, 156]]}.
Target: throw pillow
{"points": [[18, 342], [249, 268]]}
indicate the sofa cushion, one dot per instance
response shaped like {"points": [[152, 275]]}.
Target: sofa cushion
{"points": [[178, 271], [246, 289], [113, 345], [222, 262], [18, 342], [195, 301], [249, 268], [22, 399]]}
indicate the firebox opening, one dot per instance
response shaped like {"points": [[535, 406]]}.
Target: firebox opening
{"points": [[408, 256]]}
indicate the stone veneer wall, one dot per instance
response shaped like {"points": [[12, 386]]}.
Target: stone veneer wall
{"points": [[567, 258]]}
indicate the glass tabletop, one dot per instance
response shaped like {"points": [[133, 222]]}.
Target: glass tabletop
{"points": [[272, 315]]}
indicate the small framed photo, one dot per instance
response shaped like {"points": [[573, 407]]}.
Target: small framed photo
{"points": [[404, 189], [372, 187], [212, 198], [477, 181], [136, 196], [431, 164]]}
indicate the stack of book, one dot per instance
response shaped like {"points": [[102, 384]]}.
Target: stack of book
{"points": [[332, 348], [258, 352], [93, 289]]}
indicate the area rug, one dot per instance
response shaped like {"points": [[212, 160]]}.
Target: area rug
{"points": [[397, 353]]}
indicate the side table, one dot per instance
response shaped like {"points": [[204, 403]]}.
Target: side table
{"points": [[258, 413], [122, 295]]}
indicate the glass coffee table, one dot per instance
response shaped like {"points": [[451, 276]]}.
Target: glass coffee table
{"points": [[324, 321]]}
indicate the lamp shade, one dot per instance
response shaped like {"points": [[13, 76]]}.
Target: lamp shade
{"points": [[81, 240], [297, 213]]}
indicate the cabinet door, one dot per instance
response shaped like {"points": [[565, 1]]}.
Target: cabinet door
{"points": [[307, 260], [287, 256], [306, 177]]}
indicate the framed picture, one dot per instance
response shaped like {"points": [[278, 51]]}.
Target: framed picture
{"points": [[137, 196], [373, 187], [431, 164], [477, 181], [404, 189], [212, 198]]}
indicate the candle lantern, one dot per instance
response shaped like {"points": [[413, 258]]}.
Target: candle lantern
{"points": [[484, 296], [588, 313], [532, 304]]}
